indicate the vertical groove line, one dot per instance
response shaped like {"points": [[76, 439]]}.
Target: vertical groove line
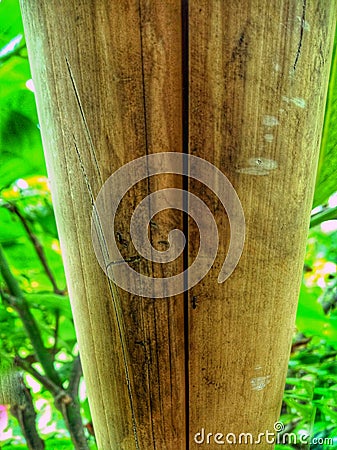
{"points": [[148, 190], [185, 151]]}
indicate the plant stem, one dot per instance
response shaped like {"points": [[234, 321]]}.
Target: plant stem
{"points": [[25, 414], [57, 322], [75, 377], [73, 420], [70, 409], [12, 284], [45, 381], [38, 247], [66, 401], [18, 302], [322, 216]]}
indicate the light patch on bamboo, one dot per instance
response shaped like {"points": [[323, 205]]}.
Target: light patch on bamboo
{"points": [[297, 101], [258, 166], [268, 137], [259, 383], [270, 121]]}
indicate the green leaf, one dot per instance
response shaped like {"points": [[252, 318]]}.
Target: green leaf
{"points": [[86, 409], [20, 147], [26, 265], [20, 142], [61, 444], [11, 25], [10, 445], [10, 228], [67, 331], [304, 409], [50, 301], [327, 167], [323, 216], [310, 318]]}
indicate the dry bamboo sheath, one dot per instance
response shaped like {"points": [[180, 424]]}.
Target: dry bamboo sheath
{"points": [[241, 84]]}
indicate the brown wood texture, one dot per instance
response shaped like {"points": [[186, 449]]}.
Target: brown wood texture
{"points": [[108, 81], [109, 77], [258, 80]]}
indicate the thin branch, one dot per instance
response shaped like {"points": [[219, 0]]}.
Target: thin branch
{"points": [[68, 405], [322, 216], [25, 414], [37, 245], [70, 410], [65, 401], [17, 300], [56, 331], [75, 377], [45, 381], [10, 280]]}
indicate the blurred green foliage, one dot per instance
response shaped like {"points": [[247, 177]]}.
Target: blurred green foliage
{"points": [[25, 202], [326, 184], [310, 398]]}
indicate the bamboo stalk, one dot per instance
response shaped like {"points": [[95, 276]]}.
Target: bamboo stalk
{"points": [[241, 84], [108, 82], [259, 76]]}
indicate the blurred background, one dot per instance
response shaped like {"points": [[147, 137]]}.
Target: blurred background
{"points": [[39, 362]]}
